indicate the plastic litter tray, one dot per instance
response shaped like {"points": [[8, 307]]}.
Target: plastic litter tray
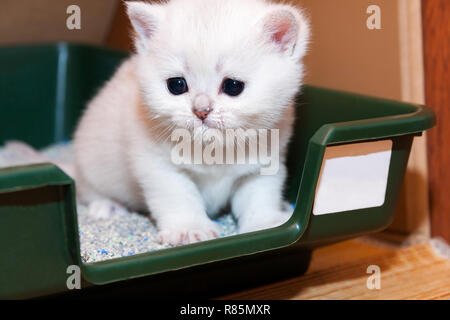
{"points": [[43, 90]]}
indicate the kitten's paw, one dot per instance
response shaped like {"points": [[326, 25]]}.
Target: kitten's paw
{"points": [[181, 235], [265, 222], [105, 209]]}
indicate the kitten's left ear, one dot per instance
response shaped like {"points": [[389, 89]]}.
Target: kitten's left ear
{"points": [[287, 29], [145, 18]]}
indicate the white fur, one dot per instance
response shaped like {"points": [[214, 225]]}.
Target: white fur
{"points": [[122, 144]]}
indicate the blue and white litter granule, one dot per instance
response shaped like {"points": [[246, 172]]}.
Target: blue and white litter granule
{"points": [[102, 239]]}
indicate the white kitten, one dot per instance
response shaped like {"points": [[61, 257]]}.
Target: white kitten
{"points": [[122, 144]]}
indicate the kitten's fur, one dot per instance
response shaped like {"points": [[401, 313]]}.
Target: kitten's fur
{"points": [[122, 146]]}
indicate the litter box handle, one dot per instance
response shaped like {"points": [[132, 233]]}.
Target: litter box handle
{"points": [[333, 227]]}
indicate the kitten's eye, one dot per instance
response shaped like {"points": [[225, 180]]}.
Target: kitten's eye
{"points": [[232, 87], [177, 86]]}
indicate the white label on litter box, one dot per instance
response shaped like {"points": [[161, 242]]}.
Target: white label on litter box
{"points": [[353, 176]]}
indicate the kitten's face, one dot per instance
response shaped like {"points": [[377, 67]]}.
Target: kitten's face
{"points": [[224, 66]]}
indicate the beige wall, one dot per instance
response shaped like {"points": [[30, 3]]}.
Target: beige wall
{"points": [[346, 55], [32, 21]]}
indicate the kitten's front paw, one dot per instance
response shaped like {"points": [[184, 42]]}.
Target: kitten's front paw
{"points": [[264, 222], [104, 209], [181, 235]]}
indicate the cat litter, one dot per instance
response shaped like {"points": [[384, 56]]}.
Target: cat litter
{"points": [[121, 235]]}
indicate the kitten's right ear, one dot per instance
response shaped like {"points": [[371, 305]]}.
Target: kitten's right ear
{"points": [[145, 18], [287, 28]]}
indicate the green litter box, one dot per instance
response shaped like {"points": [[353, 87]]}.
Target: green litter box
{"points": [[43, 90]]}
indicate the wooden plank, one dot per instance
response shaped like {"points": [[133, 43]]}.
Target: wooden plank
{"points": [[340, 272], [436, 32], [413, 214]]}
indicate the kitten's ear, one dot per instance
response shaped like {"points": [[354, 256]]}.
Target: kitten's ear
{"points": [[287, 29], [145, 18]]}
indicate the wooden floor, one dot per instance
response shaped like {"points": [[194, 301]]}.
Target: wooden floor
{"points": [[340, 272]]}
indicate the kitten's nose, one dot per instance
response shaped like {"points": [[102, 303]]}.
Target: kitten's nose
{"points": [[202, 106]]}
